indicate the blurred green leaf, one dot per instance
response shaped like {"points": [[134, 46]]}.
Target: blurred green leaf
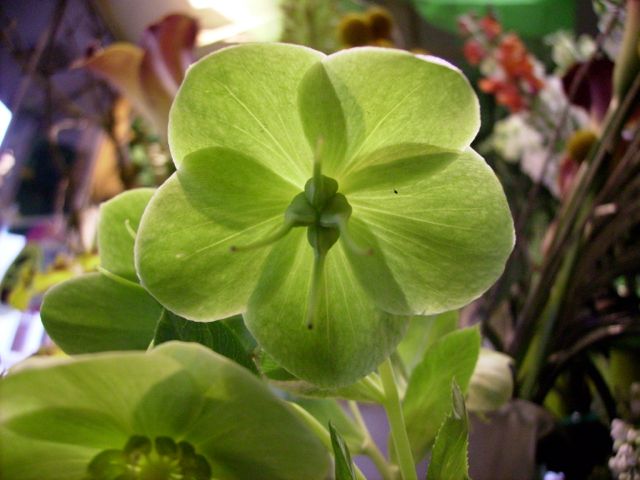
{"points": [[422, 333], [427, 401]]}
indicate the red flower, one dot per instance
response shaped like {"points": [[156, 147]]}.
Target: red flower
{"points": [[509, 96], [490, 26], [473, 52], [512, 55]]}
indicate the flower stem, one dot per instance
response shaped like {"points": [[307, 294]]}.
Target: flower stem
{"points": [[396, 422], [321, 432], [369, 447]]}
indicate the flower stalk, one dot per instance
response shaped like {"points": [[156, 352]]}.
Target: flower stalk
{"points": [[393, 408]]}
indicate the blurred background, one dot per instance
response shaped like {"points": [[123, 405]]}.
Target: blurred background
{"points": [[85, 91]]}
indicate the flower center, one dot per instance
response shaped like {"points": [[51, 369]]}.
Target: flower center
{"points": [[325, 212], [142, 459]]}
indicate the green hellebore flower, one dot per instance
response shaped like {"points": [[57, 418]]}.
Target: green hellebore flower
{"points": [[179, 412], [326, 197]]}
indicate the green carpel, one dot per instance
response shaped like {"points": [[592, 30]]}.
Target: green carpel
{"points": [[141, 459]]}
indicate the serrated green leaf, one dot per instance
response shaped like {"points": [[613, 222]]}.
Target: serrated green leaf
{"points": [[214, 335], [343, 465], [94, 313], [449, 458], [427, 399], [223, 411], [118, 223]]}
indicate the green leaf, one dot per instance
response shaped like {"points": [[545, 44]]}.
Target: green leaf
{"points": [[427, 402], [218, 199], [94, 313], [119, 219], [425, 101], [422, 333], [344, 467], [350, 337], [60, 414], [214, 335], [244, 98], [440, 223], [449, 458]]}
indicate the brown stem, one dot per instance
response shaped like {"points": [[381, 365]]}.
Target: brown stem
{"points": [[572, 219]]}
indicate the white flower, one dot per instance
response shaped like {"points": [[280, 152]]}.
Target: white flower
{"points": [[619, 430], [513, 137], [566, 50]]}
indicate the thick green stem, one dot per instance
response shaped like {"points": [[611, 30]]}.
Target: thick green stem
{"points": [[396, 422], [322, 433]]}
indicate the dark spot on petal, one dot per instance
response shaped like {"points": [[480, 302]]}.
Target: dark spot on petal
{"points": [[395, 191]]}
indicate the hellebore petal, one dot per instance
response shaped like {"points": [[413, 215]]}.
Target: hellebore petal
{"points": [[244, 98], [109, 310], [219, 198], [349, 338], [117, 226], [57, 416], [95, 313], [363, 100], [443, 227]]}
